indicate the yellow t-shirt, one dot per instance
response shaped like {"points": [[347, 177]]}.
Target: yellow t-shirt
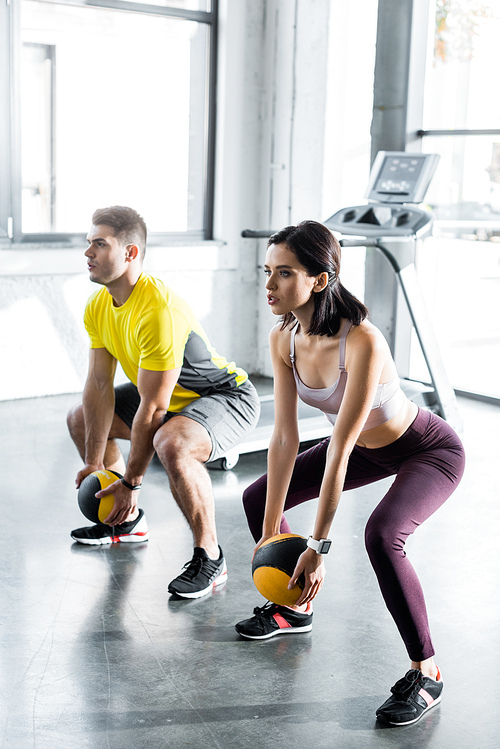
{"points": [[157, 330]]}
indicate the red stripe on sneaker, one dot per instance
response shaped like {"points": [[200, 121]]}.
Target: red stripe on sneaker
{"points": [[219, 580], [426, 696], [118, 539], [281, 621]]}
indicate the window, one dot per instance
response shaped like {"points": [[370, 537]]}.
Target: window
{"points": [[459, 267], [110, 103]]}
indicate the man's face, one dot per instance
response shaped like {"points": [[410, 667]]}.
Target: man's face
{"points": [[106, 255]]}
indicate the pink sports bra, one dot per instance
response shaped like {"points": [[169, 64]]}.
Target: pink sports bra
{"points": [[389, 397]]}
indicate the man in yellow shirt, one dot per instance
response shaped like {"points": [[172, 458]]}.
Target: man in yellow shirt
{"points": [[184, 401]]}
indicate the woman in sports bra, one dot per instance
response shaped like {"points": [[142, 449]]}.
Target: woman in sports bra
{"points": [[326, 352]]}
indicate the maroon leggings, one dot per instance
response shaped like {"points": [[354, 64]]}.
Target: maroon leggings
{"points": [[428, 462]]}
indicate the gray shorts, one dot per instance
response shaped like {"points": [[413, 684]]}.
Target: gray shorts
{"points": [[227, 415]]}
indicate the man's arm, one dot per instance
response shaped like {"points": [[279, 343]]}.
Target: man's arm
{"points": [[98, 409], [155, 389]]}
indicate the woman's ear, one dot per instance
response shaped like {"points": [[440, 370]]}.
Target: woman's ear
{"points": [[321, 282]]}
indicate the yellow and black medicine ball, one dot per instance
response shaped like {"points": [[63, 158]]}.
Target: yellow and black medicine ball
{"points": [[273, 566], [93, 508]]}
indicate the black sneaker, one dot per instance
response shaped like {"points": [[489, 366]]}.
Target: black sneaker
{"points": [[271, 619], [200, 575], [412, 697], [134, 531]]}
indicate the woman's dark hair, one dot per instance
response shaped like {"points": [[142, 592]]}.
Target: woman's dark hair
{"points": [[318, 251]]}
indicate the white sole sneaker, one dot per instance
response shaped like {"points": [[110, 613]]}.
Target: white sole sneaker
{"points": [[85, 536]]}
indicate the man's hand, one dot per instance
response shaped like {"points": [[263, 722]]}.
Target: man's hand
{"points": [[86, 471], [125, 502]]}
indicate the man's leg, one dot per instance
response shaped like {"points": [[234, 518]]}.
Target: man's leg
{"points": [[183, 447], [134, 529]]}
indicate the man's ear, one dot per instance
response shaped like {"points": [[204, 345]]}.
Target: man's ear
{"points": [[132, 252]]}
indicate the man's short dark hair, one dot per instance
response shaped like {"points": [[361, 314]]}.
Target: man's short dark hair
{"points": [[128, 226]]}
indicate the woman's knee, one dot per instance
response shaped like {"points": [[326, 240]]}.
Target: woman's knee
{"points": [[249, 497], [254, 498], [382, 539]]}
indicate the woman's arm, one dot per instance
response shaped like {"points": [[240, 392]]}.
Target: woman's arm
{"points": [[284, 443]]}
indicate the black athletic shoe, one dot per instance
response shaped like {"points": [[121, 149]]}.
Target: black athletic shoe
{"points": [[200, 575], [412, 697], [271, 619], [134, 531]]}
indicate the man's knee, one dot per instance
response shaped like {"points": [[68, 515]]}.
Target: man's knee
{"points": [[173, 449], [181, 440], [75, 420]]}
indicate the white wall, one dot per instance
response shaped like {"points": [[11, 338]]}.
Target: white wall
{"points": [[274, 89]]}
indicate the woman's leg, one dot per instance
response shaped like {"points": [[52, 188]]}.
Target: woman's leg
{"points": [[423, 483], [304, 485]]}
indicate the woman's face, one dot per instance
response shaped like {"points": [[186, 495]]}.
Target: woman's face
{"points": [[289, 286]]}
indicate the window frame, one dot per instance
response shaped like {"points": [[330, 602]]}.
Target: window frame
{"points": [[10, 114]]}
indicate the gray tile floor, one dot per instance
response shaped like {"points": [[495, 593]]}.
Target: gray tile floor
{"points": [[94, 653]]}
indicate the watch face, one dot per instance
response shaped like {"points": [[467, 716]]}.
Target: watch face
{"points": [[325, 546]]}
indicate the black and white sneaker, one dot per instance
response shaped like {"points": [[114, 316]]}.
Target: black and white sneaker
{"points": [[134, 531], [271, 620], [412, 697], [200, 575]]}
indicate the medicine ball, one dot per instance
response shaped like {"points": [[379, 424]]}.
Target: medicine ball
{"points": [[273, 566], [93, 508]]}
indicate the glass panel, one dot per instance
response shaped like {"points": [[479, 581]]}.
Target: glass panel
{"points": [[128, 125], [465, 191], [460, 281], [349, 103], [459, 267], [37, 128], [461, 75], [348, 116]]}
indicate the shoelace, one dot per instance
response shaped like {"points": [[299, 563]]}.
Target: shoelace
{"points": [[408, 684], [261, 611], [193, 567]]}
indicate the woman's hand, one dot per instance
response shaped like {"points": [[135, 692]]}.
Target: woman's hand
{"points": [[311, 564], [263, 539]]}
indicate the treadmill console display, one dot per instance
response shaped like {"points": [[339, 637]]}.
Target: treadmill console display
{"points": [[398, 181], [401, 177]]}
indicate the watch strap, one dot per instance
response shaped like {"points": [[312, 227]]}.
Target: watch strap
{"points": [[320, 547]]}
